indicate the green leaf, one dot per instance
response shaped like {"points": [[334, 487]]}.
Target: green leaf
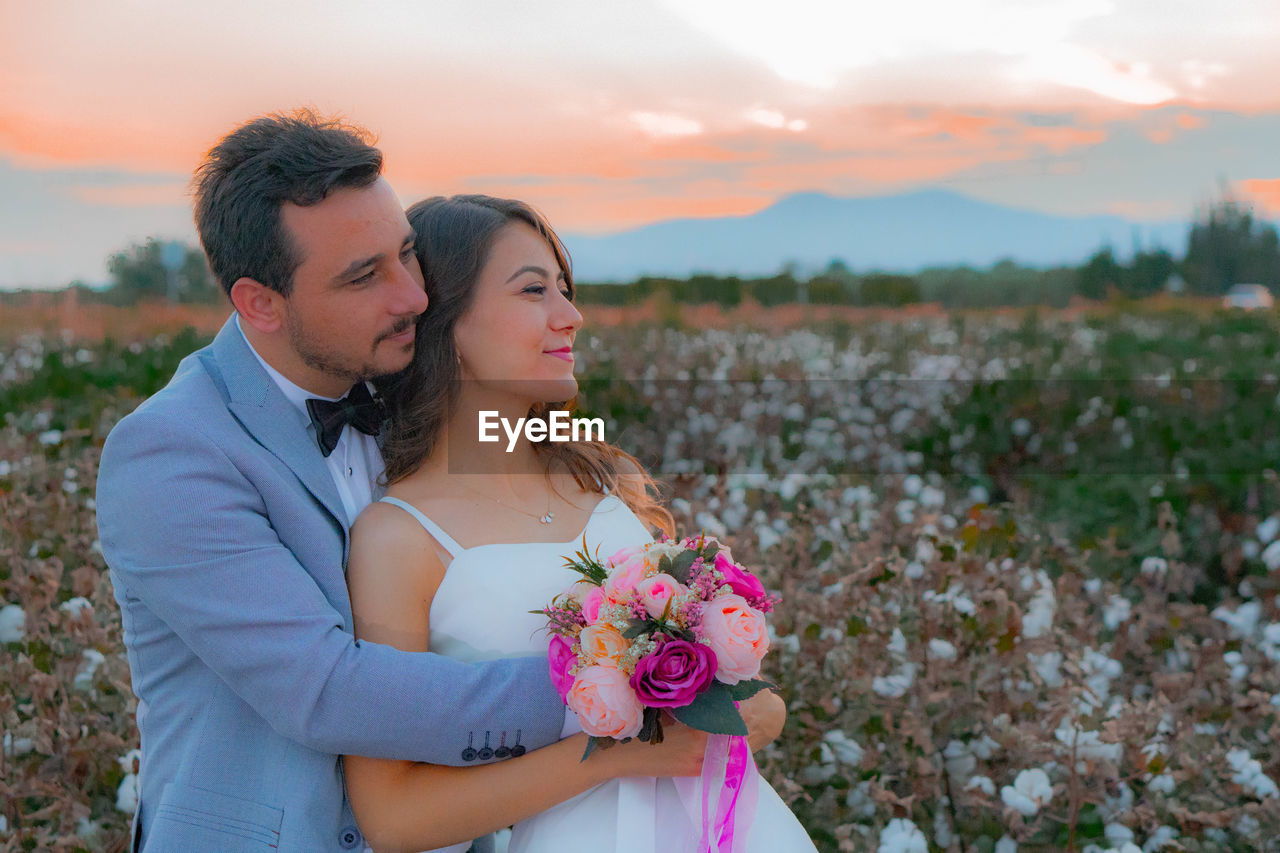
{"points": [[636, 628], [747, 689], [651, 731], [591, 746], [709, 552], [664, 564], [681, 565], [713, 712]]}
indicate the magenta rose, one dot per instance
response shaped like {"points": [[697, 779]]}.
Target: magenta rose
{"points": [[674, 674], [742, 582], [560, 659]]}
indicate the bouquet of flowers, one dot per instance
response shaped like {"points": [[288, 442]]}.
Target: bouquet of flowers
{"points": [[672, 625]]}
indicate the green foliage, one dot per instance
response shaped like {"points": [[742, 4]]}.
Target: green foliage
{"points": [[139, 274], [1228, 246]]}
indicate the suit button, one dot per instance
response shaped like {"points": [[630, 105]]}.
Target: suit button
{"points": [[349, 838]]}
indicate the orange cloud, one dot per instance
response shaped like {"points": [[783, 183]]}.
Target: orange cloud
{"points": [[1187, 121], [1265, 191]]}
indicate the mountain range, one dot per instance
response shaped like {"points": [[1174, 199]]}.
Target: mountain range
{"points": [[904, 233]]}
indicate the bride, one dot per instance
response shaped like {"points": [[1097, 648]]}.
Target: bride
{"points": [[471, 537]]}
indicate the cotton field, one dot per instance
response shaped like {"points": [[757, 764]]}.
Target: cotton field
{"points": [[1027, 568]]}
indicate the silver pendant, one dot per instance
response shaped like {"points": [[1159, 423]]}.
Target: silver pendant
{"points": [[546, 519]]}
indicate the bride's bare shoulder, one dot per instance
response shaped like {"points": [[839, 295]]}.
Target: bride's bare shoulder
{"points": [[388, 541]]}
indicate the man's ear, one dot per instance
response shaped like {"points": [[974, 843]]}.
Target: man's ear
{"points": [[258, 305]]}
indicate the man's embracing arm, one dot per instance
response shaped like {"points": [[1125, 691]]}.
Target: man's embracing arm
{"points": [[186, 532]]}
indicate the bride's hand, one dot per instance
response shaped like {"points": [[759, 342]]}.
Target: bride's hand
{"points": [[679, 754], [765, 714]]}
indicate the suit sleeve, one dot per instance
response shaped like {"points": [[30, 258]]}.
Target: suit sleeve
{"points": [[187, 533]]}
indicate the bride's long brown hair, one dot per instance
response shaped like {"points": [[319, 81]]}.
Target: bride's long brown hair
{"points": [[453, 237]]}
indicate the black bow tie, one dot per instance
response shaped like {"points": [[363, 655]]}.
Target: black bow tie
{"points": [[358, 408]]}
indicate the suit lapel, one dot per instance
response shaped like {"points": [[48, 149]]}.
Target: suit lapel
{"points": [[272, 420]]}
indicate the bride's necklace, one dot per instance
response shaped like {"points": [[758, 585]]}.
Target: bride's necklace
{"points": [[545, 518]]}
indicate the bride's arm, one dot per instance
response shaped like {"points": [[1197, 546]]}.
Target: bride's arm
{"points": [[393, 573]]}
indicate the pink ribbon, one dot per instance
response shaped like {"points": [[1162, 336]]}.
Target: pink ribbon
{"points": [[730, 785]]}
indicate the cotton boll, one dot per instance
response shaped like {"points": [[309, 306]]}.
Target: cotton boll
{"points": [[896, 684], [1162, 784], [127, 794], [13, 624], [1243, 621], [1047, 667], [76, 605], [1117, 611], [822, 771], [1118, 834], [981, 783], [1271, 556], [1268, 529], [1006, 845], [89, 663], [1039, 616], [941, 650], [1248, 774], [846, 749], [1030, 790], [1162, 837], [902, 836], [1155, 566]]}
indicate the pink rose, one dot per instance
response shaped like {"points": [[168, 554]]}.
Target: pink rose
{"points": [[591, 604], [560, 659], [736, 632], [674, 674], [605, 703], [623, 580], [626, 557], [657, 590], [741, 581]]}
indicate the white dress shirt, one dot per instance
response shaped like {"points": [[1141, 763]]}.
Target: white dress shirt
{"points": [[355, 463]]}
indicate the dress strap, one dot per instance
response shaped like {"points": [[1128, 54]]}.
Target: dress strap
{"points": [[446, 541]]}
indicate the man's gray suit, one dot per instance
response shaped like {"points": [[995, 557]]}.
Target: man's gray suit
{"points": [[227, 543]]}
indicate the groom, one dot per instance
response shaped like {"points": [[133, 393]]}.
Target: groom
{"points": [[224, 504]]}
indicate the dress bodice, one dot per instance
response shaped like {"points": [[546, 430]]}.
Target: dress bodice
{"points": [[481, 609]]}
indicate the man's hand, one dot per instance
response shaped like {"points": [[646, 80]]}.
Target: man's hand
{"points": [[765, 714]]}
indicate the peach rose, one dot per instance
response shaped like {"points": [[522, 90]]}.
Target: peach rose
{"points": [[624, 579], [657, 590], [736, 632], [603, 644], [605, 703]]}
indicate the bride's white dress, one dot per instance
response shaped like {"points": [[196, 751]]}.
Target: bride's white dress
{"points": [[481, 612]]}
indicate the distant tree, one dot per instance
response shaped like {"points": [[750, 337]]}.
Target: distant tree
{"points": [[780, 289], [882, 289], [1228, 246], [1098, 273], [1147, 273], [138, 273]]}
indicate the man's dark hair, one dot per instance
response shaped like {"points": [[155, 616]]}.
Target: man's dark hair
{"points": [[246, 178]]}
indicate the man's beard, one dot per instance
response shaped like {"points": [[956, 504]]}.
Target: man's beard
{"points": [[318, 357]]}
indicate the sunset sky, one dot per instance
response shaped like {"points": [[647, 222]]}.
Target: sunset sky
{"points": [[609, 115]]}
